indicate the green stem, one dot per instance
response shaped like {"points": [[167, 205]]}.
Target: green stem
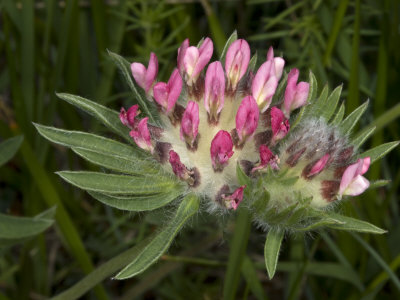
{"points": [[236, 254]]}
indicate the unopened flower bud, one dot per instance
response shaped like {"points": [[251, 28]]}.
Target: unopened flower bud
{"points": [[296, 94], [236, 62], [221, 150], [128, 117], [145, 77], [166, 94], [247, 118], [214, 90], [141, 135], [190, 124]]}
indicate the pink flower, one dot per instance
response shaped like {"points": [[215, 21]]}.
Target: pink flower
{"points": [[233, 201], [295, 94], [145, 77], [128, 117], [236, 62], [279, 124], [319, 165], [214, 90], [166, 94], [192, 60], [178, 168], [141, 135], [352, 182], [278, 64], [264, 85], [190, 123], [221, 150], [247, 118], [267, 158]]}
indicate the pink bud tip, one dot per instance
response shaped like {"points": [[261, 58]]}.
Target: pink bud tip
{"points": [[190, 123], [221, 150], [247, 118], [296, 94], [128, 117], [145, 77], [279, 124], [236, 62], [319, 165], [353, 183], [192, 60], [277, 62], [141, 135], [166, 94], [214, 90], [178, 168], [233, 201]]}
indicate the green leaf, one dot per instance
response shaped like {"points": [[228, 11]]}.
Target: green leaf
{"points": [[108, 117], [378, 183], [323, 222], [338, 117], [157, 246], [331, 103], [117, 184], [9, 147], [138, 203], [312, 93], [362, 137], [124, 67], [241, 176], [351, 224], [379, 151], [133, 165], [18, 229], [271, 249], [348, 124], [91, 142], [316, 108], [252, 63], [230, 40]]}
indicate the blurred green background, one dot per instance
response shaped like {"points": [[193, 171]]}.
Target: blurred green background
{"points": [[49, 46]]}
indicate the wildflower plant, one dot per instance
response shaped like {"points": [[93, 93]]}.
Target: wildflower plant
{"points": [[221, 136]]}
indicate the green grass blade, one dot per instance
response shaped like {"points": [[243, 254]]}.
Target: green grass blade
{"points": [[117, 184], [9, 147], [250, 275], [271, 249], [379, 260], [152, 252]]}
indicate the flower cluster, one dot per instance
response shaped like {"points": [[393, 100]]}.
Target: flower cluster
{"points": [[222, 115]]}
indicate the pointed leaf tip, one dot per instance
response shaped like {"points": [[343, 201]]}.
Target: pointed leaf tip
{"points": [[271, 250]]}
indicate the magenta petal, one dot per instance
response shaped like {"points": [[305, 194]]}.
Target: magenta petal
{"points": [[128, 117], [265, 155], [221, 149], [190, 123], [139, 73], [205, 53], [152, 71], [357, 186], [301, 96], [160, 94], [181, 54], [279, 124], [247, 118], [214, 89], [366, 164], [190, 60], [233, 201], [236, 61], [319, 165], [175, 88], [141, 135]]}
